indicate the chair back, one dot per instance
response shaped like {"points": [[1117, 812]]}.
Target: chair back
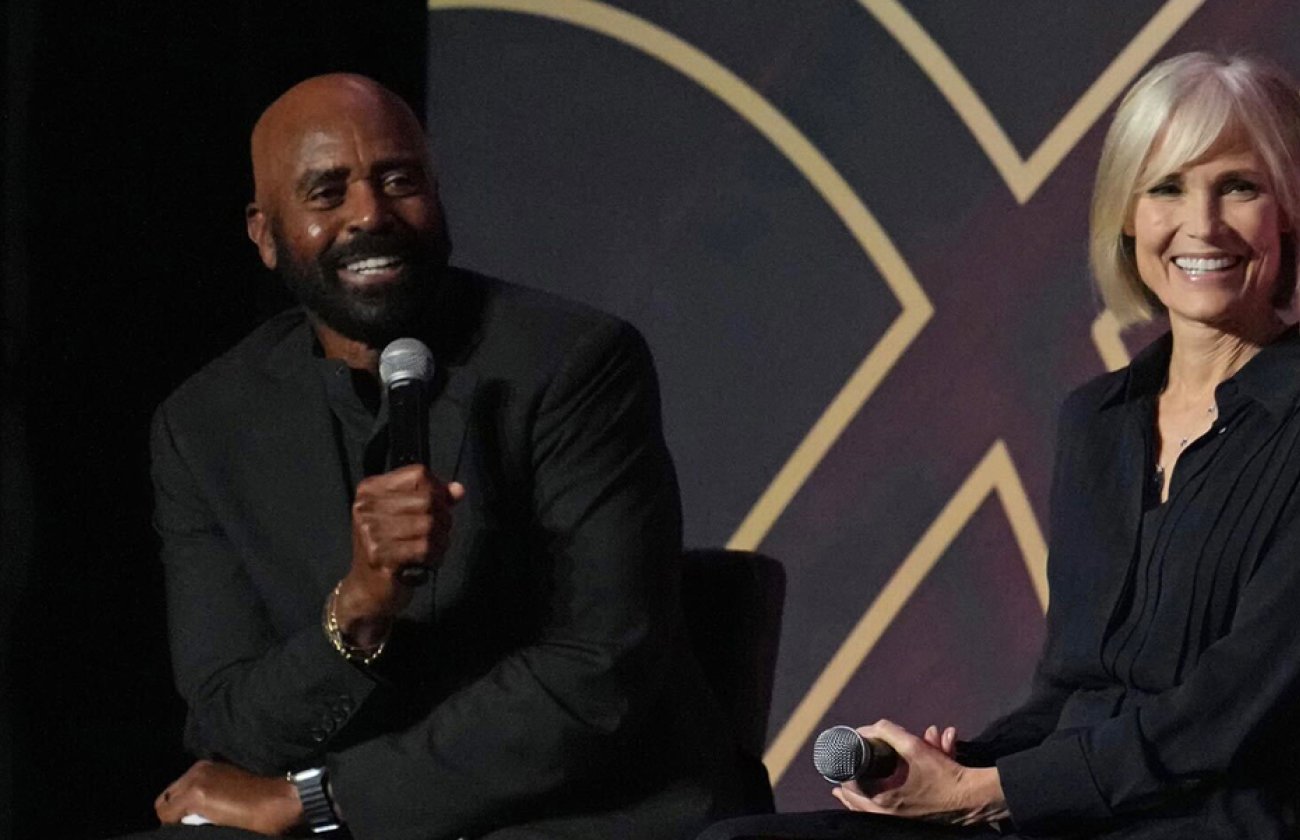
{"points": [[733, 602]]}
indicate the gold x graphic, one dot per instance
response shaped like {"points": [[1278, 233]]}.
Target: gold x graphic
{"points": [[996, 471]]}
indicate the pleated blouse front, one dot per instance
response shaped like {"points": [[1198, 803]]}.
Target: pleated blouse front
{"points": [[1170, 678]]}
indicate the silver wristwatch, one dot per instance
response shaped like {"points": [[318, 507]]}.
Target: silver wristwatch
{"points": [[317, 810]]}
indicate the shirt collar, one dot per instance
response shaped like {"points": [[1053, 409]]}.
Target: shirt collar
{"points": [[1271, 378]]}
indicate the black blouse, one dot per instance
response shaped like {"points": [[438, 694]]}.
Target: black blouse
{"points": [[1170, 678]]}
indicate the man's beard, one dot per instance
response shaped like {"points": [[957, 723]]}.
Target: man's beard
{"points": [[372, 314]]}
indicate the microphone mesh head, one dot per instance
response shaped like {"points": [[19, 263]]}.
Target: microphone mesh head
{"points": [[838, 754], [405, 359]]}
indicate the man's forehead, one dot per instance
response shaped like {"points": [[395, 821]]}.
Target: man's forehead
{"points": [[354, 145], [332, 122]]}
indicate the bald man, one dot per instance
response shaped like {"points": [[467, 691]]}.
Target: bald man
{"points": [[531, 678]]}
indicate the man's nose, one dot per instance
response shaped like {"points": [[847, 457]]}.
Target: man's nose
{"points": [[367, 208]]}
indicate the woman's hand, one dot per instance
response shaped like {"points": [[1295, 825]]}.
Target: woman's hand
{"points": [[945, 740], [927, 784]]}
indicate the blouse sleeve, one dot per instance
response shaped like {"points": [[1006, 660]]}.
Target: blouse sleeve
{"points": [[1224, 716]]}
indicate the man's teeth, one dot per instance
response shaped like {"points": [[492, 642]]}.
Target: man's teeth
{"points": [[372, 265], [1201, 265]]}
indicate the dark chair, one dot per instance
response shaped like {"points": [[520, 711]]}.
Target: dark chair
{"points": [[733, 601]]}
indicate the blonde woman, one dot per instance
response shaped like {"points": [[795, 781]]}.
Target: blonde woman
{"points": [[1167, 699]]}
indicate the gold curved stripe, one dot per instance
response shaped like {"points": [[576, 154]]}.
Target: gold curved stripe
{"points": [[829, 184], [1106, 338], [995, 472], [1024, 177]]}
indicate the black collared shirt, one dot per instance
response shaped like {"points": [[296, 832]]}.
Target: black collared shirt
{"points": [[1169, 687], [360, 424]]}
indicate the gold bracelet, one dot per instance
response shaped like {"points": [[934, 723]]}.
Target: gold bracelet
{"points": [[350, 652]]}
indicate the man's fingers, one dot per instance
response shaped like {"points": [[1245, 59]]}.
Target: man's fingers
{"points": [[413, 575], [174, 802], [409, 477], [409, 526], [400, 503]]}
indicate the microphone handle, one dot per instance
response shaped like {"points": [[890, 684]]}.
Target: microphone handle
{"points": [[408, 436], [408, 443], [878, 761]]}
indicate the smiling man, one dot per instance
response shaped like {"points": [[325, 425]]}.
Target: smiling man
{"points": [[537, 683]]}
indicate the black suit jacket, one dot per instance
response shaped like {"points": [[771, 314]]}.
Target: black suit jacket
{"points": [[541, 679]]}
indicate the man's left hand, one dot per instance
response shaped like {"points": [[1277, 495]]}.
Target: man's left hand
{"points": [[226, 795]]}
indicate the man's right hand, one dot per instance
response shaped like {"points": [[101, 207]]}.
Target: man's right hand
{"points": [[400, 521]]}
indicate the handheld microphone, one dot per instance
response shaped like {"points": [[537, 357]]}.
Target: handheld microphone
{"points": [[406, 368], [841, 755]]}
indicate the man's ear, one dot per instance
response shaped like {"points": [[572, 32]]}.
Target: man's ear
{"points": [[259, 230]]}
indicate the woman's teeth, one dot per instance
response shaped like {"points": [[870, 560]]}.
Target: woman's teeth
{"points": [[1204, 265]]}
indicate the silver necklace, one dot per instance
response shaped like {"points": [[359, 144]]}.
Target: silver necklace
{"points": [[1183, 441], [1186, 439]]}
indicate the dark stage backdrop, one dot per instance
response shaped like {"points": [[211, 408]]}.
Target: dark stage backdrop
{"points": [[125, 269], [854, 232]]}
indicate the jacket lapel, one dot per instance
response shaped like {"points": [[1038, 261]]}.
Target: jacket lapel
{"points": [[448, 416], [305, 485]]}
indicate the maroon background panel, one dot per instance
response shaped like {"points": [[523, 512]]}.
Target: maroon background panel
{"points": [[579, 163]]}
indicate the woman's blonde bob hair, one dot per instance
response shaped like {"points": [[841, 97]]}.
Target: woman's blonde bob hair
{"points": [[1173, 116]]}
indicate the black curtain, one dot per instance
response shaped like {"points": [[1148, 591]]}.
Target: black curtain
{"points": [[125, 268]]}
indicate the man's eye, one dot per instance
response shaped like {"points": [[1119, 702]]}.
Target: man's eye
{"points": [[325, 195], [401, 183]]}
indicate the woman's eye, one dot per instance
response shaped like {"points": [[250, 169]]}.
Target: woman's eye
{"points": [[1165, 188], [1240, 186]]}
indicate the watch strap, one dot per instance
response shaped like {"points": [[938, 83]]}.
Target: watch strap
{"points": [[317, 810]]}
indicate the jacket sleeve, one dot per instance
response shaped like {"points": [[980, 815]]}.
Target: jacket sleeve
{"points": [[265, 700], [568, 708]]}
